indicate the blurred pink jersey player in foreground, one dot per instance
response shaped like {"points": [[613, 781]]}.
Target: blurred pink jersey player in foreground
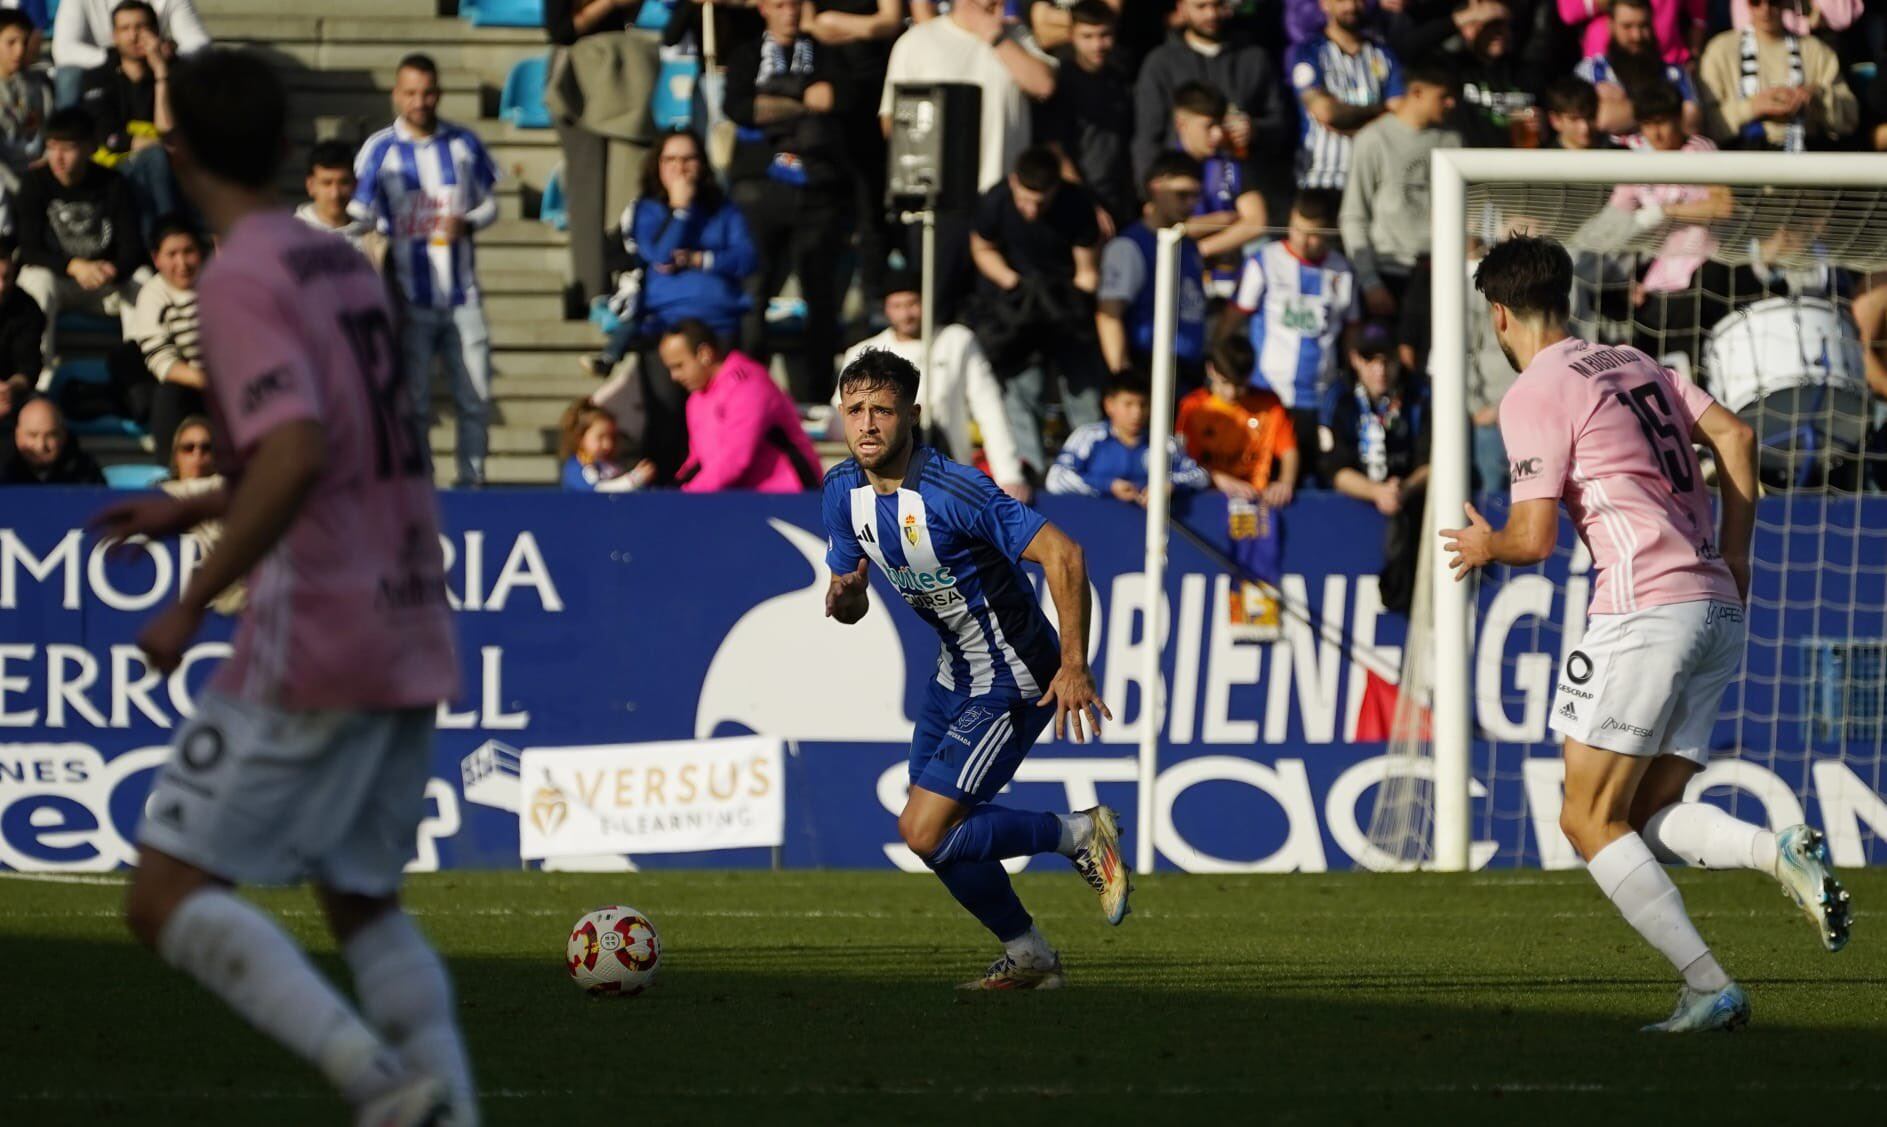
{"points": [[1609, 431], [308, 754]]}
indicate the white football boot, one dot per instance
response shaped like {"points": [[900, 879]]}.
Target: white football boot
{"points": [[419, 1102], [1808, 877], [1701, 1010], [1097, 858]]}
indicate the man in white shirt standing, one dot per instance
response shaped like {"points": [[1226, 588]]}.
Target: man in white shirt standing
{"points": [[961, 386], [972, 44]]}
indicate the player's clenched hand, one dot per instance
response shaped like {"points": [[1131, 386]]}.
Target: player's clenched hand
{"points": [[165, 638], [154, 517], [1073, 694], [847, 590], [1469, 547]]}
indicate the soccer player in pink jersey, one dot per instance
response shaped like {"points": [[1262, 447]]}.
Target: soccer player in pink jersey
{"points": [[308, 754], [1609, 431]]}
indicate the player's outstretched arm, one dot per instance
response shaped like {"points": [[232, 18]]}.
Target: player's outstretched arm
{"points": [[1734, 444], [849, 596], [285, 464], [1531, 533], [1072, 691]]}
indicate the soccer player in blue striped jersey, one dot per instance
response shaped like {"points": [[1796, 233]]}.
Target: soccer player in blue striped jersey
{"points": [[1344, 80], [952, 545]]}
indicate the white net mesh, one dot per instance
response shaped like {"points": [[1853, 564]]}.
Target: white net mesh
{"points": [[1771, 299]]}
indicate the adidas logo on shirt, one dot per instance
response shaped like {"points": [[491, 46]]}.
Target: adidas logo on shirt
{"points": [[1569, 712]]}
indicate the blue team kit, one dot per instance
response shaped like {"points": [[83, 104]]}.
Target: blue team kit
{"points": [[951, 544]]}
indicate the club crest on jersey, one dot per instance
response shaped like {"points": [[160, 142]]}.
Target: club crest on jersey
{"points": [[911, 529], [973, 716]]}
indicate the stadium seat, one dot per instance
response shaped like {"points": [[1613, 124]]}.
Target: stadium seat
{"points": [[601, 317], [134, 475], [522, 103], [553, 210], [468, 9], [106, 426], [673, 106], [507, 13], [654, 14]]}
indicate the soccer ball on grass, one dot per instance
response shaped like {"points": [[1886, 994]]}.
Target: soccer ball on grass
{"points": [[614, 950]]}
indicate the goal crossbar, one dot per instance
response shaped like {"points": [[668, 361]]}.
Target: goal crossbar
{"points": [[1451, 171]]}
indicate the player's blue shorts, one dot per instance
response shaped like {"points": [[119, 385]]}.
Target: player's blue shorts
{"points": [[968, 748]]}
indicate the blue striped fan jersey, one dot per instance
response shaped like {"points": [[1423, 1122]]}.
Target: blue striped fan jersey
{"points": [[408, 185], [1370, 76], [951, 544]]}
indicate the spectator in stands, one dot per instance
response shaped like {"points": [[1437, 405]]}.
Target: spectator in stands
{"points": [[1417, 29], [743, 431], [1671, 313], [1631, 62], [1239, 433], [787, 178], [960, 387], [1230, 213], [588, 447], [857, 36], [1499, 100], [586, 150], [129, 104], [192, 472], [46, 453], [690, 253], [1344, 80], [972, 44], [22, 328], [1036, 248], [1384, 217], [83, 29], [1572, 114], [1677, 27], [1201, 51], [1764, 88], [1124, 321], [1374, 440], [1090, 120], [1295, 299], [78, 230], [25, 103], [169, 361], [427, 184], [1305, 20], [330, 184], [1109, 459]]}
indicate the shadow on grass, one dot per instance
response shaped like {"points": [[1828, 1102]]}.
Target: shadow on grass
{"points": [[98, 1032]]}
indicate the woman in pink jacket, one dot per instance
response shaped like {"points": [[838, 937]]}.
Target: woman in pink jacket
{"points": [[743, 431], [1679, 24]]}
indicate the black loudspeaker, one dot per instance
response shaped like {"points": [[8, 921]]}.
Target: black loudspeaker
{"points": [[934, 151]]}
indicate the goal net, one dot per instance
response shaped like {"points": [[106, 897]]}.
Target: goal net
{"points": [[1764, 278]]}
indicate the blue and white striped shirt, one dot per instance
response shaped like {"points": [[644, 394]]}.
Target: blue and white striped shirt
{"points": [[951, 544], [1369, 77], [1298, 311], [408, 186], [1597, 69], [1093, 459]]}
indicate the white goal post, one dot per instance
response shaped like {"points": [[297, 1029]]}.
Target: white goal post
{"points": [[1452, 172]]}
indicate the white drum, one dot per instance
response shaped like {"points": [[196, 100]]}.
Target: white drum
{"points": [[1778, 344]]}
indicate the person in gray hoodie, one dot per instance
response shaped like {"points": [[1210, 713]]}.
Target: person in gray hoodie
{"points": [[1204, 51], [1385, 204]]}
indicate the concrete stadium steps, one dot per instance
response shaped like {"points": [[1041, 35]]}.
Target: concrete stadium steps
{"points": [[337, 58]]}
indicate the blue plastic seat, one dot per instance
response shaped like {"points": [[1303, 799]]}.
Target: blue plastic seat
{"points": [[522, 102], [554, 210], [106, 426], [506, 13], [654, 14], [134, 476], [673, 106]]}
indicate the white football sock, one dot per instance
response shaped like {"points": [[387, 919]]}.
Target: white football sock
{"points": [[1074, 828], [242, 956], [1632, 880], [1704, 836], [405, 991], [1030, 949]]}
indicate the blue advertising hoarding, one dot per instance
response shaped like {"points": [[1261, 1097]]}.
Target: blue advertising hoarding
{"points": [[604, 620]]}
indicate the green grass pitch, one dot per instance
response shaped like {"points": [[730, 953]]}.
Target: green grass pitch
{"points": [[826, 998]]}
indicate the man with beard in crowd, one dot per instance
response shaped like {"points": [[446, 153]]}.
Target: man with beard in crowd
{"points": [[1633, 62]]}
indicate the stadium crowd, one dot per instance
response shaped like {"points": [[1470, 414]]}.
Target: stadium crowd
{"points": [[1289, 137]]}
